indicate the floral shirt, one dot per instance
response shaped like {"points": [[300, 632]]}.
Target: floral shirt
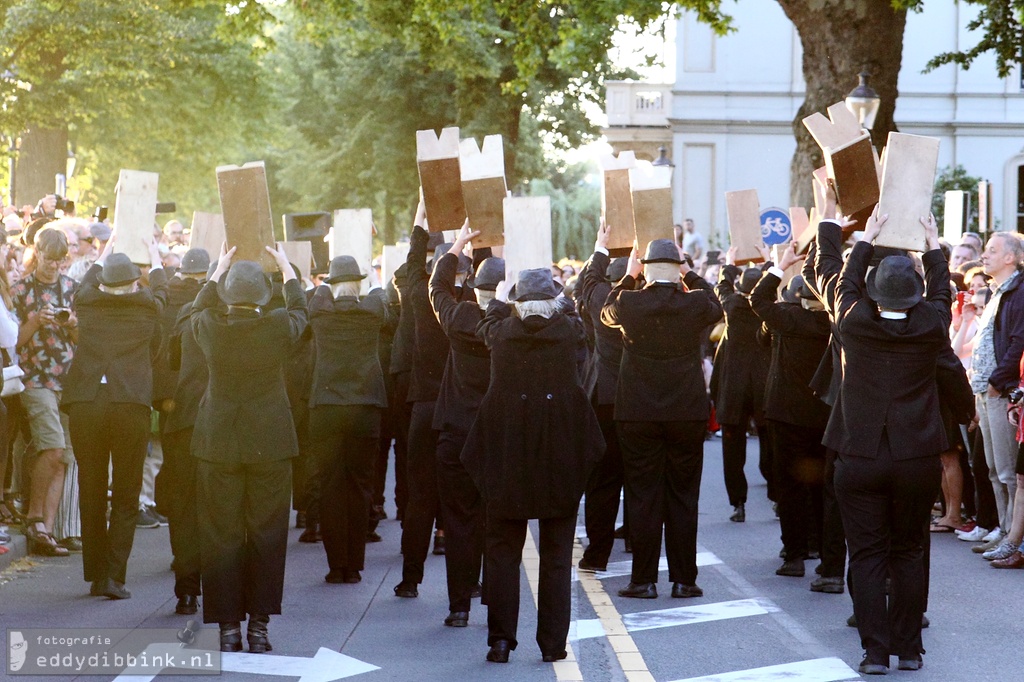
{"points": [[46, 357]]}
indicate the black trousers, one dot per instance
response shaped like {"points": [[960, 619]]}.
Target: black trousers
{"points": [[833, 537], [505, 538], [106, 434], [398, 413], [885, 504], [663, 463], [601, 506], [799, 476], [343, 442], [423, 505], [988, 514], [734, 455], [243, 537], [463, 514], [305, 476], [179, 470]]}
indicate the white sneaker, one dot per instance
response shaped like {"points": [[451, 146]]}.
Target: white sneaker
{"points": [[997, 533], [976, 535]]}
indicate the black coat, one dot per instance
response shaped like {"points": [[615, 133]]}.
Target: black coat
{"points": [[741, 363], [821, 273], [799, 340], [661, 376], [889, 380], [244, 416], [467, 372], [186, 359], [430, 351], [405, 334], [118, 339], [346, 330], [180, 290], [601, 378], [536, 437]]}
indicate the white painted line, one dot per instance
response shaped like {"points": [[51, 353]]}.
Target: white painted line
{"points": [[617, 569], [816, 670], [682, 615], [326, 666]]}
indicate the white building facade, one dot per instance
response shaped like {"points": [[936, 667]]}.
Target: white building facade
{"points": [[727, 119]]}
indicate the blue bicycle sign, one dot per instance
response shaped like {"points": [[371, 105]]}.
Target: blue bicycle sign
{"points": [[775, 226]]}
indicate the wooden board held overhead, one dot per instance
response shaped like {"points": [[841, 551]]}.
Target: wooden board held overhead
{"points": [[744, 212], [527, 234], [617, 201], [908, 178], [803, 231], [300, 254], [851, 168], [840, 128], [437, 158], [483, 188], [207, 233], [245, 205], [135, 213], [956, 215], [352, 235], [651, 188]]}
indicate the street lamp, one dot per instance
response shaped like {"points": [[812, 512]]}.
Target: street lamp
{"points": [[863, 101], [663, 159]]}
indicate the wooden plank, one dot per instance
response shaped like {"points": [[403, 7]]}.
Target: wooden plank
{"points": [[391, 260], [207, 233], [803, 230], [744, 212], [957, 211], [352, 235], [483, 188], [908, 178], [527, 234], [617, 201], [245, 205], [135, 213], [300, 254], [840, 128], [437, 159], [651, 187], [851, 168]]}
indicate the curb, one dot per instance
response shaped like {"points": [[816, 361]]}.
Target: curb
{"points": [[17, 549]]}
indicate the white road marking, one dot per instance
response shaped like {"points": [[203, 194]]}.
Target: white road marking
{"points": [[617, 569], [816, 670], [682, 615], [326, 666]]}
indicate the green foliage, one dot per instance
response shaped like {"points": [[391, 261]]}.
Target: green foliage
{"points": [[575, 209], [1002, 35], [955, 178]]}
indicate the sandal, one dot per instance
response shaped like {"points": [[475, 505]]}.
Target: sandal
{"points": [[9, 514], [42, 543]]}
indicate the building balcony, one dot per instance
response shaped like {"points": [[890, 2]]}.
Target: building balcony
{"points": [[637, 105]]}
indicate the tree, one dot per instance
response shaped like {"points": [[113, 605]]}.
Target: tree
{"points": [[954, 178], [575, 209]]}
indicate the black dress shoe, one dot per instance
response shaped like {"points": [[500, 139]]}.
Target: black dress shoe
{"points": [[620, 532], [793, 568], [377, 513], [585, 565], [681, 591], [911, 663], [499, 651], [230, 637], [851, 622], [115, 590], [628, 549], [187, 605], [457, 619], [551, 658], [335, 576], [640, 591], [256, 634], [373, 536], [407, 590], [352, 577], [476, 591], [97, 587], [439, 547], [739, 514], [312, 533], [300, 519], [866, 667]]}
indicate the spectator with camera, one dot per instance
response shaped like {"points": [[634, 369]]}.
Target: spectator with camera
{"points": [[46, 345]]}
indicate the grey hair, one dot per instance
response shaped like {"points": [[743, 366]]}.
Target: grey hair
{"points": [[1012, 241], [345, 289], [483, 297], [119, 290], [545, 308], [661, 271]]}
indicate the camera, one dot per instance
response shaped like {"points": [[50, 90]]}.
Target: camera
{"points": [[61, 315], [65, 205], [100, 214], [1015, 395]]}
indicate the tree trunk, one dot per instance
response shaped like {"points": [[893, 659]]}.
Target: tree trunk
{"points": [[841, 38], [43, 154]]}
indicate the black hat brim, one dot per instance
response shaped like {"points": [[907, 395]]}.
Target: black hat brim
{"points": [[345, 278], [230, 300], [892, 303]]}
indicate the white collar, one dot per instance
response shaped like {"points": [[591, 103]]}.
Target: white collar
{"points": [[892, 315]]}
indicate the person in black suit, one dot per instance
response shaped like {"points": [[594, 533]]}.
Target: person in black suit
{"points": [[466, 378], [601, 505], [662, 410], [887, 429], [244, 439], [108, 395], [800, 330], [530, 451]]}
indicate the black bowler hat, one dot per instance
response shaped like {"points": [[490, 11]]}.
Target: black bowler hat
{"points": [[119, 270], [245, 284], [661, 251], [534, 285], [617, 269], [895, 284], [195, 262], [489, 273], [344, 269], [749, 280], [434, 240], [791, 294]]}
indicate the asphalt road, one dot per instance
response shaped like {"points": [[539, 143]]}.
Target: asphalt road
{"points": [[750, 625]]}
